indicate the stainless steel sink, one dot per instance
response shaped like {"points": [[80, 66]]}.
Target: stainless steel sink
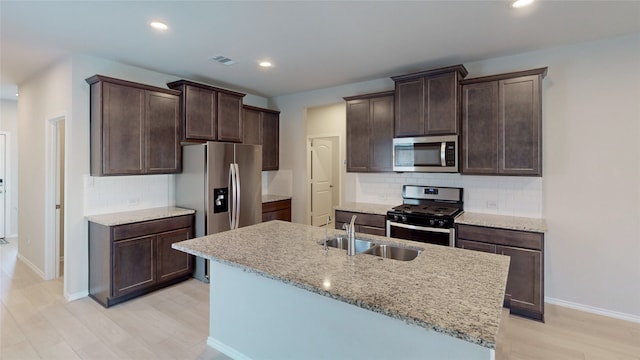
{"points": [[342, 243], [394, 252], [382, 250]]}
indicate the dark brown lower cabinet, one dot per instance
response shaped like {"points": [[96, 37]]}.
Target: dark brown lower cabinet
{"points": [[525, 283], [373, 224], [129, 260], [276, 210]]}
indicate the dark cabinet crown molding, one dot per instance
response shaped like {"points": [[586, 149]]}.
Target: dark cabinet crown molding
{"points": [[175, 84], [539, 71], [249, 107], [370, 95], [96, 78], [459, 68]]}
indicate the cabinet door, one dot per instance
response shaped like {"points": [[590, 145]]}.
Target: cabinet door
{"points": [[163, 151], [252, 127], [358, 135], [172, 263], [381, 139], [229, 117], [133, 265], [270, 141], [520, 126], [476, 245], [441, 104], [122, 130], [200, 113], [409, 109], [276, 210], [524, 284], [480, 128]]}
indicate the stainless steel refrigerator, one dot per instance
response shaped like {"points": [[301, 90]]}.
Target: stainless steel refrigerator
{"points": [[223, 183]]}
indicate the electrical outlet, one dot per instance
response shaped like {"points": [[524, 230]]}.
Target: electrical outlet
{"points": [[492, 204]]}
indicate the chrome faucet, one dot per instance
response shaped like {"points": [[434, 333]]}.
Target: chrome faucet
{"points": [[326, 235], [351, 237]]}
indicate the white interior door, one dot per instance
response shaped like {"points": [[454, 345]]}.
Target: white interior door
{"points": [[2, 184], [321, 177], [60, 144]]}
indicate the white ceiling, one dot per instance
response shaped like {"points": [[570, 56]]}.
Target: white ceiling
{"points": [[313, 44]]}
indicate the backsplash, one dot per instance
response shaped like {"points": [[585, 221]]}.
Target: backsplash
{"points": [[106, 194], [515, 196]]}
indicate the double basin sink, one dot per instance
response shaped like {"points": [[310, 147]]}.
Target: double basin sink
{"points": [[365, 246]]}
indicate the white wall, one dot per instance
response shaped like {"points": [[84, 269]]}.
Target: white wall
{"points": [[590, 191], [330, 121], [9, 125], [47, 95]]}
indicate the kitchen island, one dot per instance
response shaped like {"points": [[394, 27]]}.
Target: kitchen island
{"points": [[276, 293]]}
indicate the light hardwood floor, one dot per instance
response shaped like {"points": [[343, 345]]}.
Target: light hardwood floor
{"points": [[36, 322]]}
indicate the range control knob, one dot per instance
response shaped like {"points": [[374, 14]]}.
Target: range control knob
{"points": [[404, 218], [432, 222], [441, 223]]}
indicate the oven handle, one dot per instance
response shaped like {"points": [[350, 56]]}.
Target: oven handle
{"points": [[414, 227]]}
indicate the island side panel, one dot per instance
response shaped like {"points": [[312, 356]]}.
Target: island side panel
{"points": [[254, 317]]}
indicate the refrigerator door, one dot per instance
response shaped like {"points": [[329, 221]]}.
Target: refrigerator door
{"points": [[219, 160], [249, 172]]}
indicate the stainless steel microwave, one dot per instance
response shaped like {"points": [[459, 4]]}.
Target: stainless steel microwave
{"points": [[426, 154]]}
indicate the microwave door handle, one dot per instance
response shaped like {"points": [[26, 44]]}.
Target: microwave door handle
{"points": [[443, 149]]}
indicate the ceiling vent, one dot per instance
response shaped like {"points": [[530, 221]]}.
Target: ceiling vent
{"points": [[222, 60]]}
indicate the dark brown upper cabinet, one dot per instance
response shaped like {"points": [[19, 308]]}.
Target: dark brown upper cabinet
{"points": [[427, 102], [262, 127], [209, 113], [135, 128], [370, 132], [502, 124]]}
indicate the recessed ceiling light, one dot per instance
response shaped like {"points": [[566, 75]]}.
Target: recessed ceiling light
{"points": [[265, 64], [159, 26], [521, 3]]}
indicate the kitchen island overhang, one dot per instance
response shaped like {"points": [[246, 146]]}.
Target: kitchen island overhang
{"points": [[274, 291]]}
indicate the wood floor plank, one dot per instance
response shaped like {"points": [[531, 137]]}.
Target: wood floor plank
{"points": [[36, 322]]}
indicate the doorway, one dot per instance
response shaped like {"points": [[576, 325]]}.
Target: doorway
{"points": [[324, 178], [55, 202]]}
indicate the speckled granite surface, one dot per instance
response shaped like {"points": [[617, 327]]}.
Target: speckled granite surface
{"points": [[271, 198], [503, 222], [367, 208], [449, 290], [128, 217]]}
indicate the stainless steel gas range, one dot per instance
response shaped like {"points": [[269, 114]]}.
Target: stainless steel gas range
{"points": [[426, 215]]}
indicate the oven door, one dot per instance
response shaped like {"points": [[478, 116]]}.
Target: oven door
{"points": [[424, 234]]}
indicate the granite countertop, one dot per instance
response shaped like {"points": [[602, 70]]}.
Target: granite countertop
{"points": [[272, 198], [453, 291], [367, 208], [503, 222], [128, 217]]}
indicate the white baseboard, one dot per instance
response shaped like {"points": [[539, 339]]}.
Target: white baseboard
{"points": [[593, 310], [31, 265], [226, 349], [76, 296]]}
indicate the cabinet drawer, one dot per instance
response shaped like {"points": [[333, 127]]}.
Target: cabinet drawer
{"points": [[475, 245], [523, 239], [361, 219], [371, 230], [276, 205], [150, 227]]}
